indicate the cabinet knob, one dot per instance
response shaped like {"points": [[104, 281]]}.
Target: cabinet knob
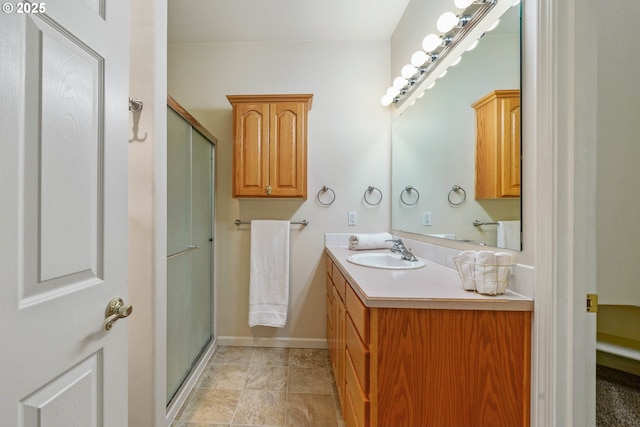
{"points": [[269, 190]]}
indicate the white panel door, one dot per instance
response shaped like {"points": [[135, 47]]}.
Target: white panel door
{"points": [[63, 212]]}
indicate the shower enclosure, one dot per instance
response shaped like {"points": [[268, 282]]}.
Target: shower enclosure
{"points": [[190, 179]]}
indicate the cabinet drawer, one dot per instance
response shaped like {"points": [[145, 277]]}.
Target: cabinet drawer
{"points": [[359, 354], [339, 281], [349, 413], [359, 314], [355, 396], [329, 285]]}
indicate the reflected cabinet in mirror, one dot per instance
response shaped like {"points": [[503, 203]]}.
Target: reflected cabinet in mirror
{"points": [[456, 151]]}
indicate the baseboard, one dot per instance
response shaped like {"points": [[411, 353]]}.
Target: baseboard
{"points": [[620, 363], [185, 390], [272, 342]]}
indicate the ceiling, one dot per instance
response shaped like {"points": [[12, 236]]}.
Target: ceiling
{"points": [[211, 21]]}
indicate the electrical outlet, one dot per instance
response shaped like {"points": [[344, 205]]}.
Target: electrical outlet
{"points": [[353, 218], [426, 218]]}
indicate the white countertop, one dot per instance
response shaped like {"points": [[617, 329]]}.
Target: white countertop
{"points": [[432, 286]]}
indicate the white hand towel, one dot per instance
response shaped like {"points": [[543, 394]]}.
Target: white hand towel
{"points": [[358, 242], [504, 261], [509, 235], [466, 268], [269, 273], [486, 272]]}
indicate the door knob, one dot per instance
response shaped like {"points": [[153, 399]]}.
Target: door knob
{"points": [[116, 309]]}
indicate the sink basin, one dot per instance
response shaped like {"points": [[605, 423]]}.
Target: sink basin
{"points": [[384, 260]]}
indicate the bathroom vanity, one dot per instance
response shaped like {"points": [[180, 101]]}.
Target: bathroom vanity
{"points": [[411, 348]]}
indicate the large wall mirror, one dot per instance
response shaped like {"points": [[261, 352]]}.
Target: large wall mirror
{"points": [[434, 148]]}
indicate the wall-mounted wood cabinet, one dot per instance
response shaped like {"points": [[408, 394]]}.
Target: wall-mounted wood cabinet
{"points": [[270, 145], [498, 145]]}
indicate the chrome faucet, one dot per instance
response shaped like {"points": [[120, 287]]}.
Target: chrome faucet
{"points": [[399, 247]]}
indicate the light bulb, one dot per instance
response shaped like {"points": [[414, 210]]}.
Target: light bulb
{"points": [[446, 22], [393, 92], [419, 58], [386, 100], [399, 82], [493, 27], [473, 45], [431, 42], [456, 62], [408, 71], [463, 4]]}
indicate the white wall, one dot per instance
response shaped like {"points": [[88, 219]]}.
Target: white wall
{"points": [[348, 150], [147, 215], [618, 176]]}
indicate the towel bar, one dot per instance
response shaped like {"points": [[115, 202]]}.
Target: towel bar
{"points": [[303, 222], [479, 223]]}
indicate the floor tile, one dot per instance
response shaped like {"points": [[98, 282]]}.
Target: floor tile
{"points": [[224, 377], [264, 387], [272, 378], [310, 380], [270, 356], [261, 407], [311, 410], [233, 355], [308, 357], [211, 406]]}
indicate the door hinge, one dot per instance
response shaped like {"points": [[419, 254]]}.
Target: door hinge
{"points": [[592, 303]]}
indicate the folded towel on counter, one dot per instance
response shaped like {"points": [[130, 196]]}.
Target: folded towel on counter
{"points": [[269, 273], [486, 272], [359, 242], [467, 269]]}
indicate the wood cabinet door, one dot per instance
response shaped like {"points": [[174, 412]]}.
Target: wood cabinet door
{"points": [[251, 150], [288, 151], [510, 148]]}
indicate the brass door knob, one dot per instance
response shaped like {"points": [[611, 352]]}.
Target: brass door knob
{"points": [[116, 309]]}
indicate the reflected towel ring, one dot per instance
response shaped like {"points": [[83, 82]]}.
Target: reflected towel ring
{"points": [[409, 189], [455, 189], [323, 190], [370, 190]]}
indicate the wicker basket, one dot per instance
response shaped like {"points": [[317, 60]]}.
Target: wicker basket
{"points": [[486, 279]]}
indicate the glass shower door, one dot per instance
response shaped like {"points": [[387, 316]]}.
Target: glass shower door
{"points": [[189, 248]]}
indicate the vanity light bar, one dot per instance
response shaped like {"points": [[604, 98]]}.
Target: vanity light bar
{"points": [[455, 29]]}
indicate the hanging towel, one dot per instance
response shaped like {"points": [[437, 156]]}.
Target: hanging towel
{"points": [[269, 273], [359, 242], [509, 235]]}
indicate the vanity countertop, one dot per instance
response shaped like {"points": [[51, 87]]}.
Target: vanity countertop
{"points": [[433, 286]]}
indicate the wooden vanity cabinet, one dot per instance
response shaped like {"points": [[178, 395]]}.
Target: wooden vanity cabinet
{"points": [[400, 367], [270, 145], [498, 145]]}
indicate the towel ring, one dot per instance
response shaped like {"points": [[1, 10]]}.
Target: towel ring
{"points": [[455, 189], [323, 190], [409, 189], [370, 190]]}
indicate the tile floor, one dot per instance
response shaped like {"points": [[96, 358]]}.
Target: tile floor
{"points": [[259, 386]]}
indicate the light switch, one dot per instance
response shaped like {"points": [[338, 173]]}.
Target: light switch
{"points": [[353, 218], [426, 218]]}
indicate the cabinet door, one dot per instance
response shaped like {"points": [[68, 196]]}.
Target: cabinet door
{"points": [[251, 150], [288, 154], [510, 150]]}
